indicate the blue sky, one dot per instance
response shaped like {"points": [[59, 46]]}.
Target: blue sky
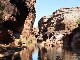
{"points": [[47, 7]]}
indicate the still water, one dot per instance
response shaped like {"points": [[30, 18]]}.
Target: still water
{"points": [[56, 53], [35, 54], [49, 53]]}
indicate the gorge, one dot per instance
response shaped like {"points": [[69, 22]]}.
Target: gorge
{"points": [[57, 36]]}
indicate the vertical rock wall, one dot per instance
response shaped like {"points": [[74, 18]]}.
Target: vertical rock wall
{"points": [[17, 16], [28, 24]]}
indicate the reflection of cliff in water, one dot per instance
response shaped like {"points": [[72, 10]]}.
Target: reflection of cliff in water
{"points": [[42, 53], [18, 53], [59, 53]]}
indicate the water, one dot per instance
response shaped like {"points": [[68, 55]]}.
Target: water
{"points": [[57, 53], [35, 54], [49, 53]]}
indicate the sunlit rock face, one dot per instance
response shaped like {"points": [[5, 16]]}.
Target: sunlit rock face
{"points": [[62, 21], [17, 16], [30, 18]]}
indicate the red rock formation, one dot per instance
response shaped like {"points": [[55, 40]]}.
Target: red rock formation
{"points": [[17, 16], [62, 21]]}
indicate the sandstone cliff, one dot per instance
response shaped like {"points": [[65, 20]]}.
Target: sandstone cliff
{"points": [[16, 16], [61, 23], [16, 21]]}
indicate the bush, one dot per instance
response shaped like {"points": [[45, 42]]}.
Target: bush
{"points": [[1, 6], [1, 14], [78, 21]]}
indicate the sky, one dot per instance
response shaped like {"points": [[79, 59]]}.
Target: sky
{"points": [[47, 7]]}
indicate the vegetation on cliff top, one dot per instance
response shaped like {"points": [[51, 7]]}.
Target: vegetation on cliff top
{"points": [[1, 6], [78, 21]]}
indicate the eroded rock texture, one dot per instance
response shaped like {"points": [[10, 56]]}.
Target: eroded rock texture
{"points": [[17, 16], [61, 23]]}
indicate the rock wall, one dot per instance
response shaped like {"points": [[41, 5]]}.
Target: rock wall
{"points": [[28, 25], [61, 23], [17, 16]]}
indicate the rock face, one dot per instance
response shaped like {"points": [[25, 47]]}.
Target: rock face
{"points": [[61, 22], [17, 16], [28, 25]]}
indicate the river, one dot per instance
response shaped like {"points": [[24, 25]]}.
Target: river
{"points": [[56, 53], [49, 53]]}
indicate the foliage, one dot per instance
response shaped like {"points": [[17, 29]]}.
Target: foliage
{"points": [[1, 14], [1, 11], [1, 6], [78, 21], [28, 42]]}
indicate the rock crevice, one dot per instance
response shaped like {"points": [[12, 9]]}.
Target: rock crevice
{"points": [[18, 16]]}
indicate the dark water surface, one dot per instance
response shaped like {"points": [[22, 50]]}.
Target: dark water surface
{"points": [[49, 53]]}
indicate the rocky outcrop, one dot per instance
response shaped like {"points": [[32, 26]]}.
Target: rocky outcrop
{"points": [[28, 25], [16, 21], [61, 23], [17, 16]]}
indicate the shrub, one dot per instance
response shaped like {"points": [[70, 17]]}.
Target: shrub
{"points": [[78, 21], [1, 11], [1, 6], [1, 14]]}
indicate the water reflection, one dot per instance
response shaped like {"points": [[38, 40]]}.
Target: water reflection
{"points": [[54, 53], [35, 54], [43, 53], [59, 53]]}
